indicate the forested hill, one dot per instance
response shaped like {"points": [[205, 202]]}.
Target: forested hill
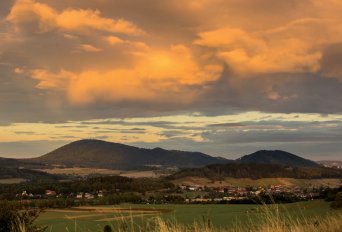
{"points": [[7, 162], [257, 171], [277, 157], [101, 154], [26, 174]]}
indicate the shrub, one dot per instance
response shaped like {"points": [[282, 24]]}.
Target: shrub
{"points": [[107, 228], [337, 203], [12, 219]]}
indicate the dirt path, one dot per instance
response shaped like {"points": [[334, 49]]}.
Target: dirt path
{"points": [[107, 212], [125, 217]]}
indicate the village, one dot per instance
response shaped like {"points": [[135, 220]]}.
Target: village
{"points": [[53, 194], [234, 193], [195, 194]]}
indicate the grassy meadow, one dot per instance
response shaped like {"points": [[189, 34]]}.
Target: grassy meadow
{"points": [[215, 216]]}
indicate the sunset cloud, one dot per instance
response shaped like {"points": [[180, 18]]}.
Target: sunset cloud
{"points": [[90, 19], [77, 60], [100, 53], [48, 80], [89, 48], [295, 47], [154, 72]]}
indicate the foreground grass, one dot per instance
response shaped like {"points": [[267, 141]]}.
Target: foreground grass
{"points": [[270, 220], [297, 217], [219, 216]]}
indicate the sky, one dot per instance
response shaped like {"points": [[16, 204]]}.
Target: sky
{"points": [[224, 77]]}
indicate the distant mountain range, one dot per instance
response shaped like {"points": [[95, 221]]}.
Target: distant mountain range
{"points": [[102, 154]]}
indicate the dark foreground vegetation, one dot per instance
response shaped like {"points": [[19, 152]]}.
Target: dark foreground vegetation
{"points": [[13, 218]]}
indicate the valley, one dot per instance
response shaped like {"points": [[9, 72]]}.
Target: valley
{"points": [[99, 185]]}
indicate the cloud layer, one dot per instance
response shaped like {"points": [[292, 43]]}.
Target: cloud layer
{"points": [[80, 60], [200, 55]]}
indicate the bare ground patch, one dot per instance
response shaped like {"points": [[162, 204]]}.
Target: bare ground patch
{"points": [[107, 214], [124, 217]]}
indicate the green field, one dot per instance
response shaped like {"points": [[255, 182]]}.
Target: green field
{"points": [[94, 218]]}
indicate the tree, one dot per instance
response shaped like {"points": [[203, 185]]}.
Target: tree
{"points": [[107, 228], [14, 220]]}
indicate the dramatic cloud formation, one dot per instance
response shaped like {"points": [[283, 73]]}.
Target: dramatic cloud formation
{"points": [[79, 60]]}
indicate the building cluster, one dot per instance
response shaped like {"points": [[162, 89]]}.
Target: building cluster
{"points": [[229, 193], [337, 165], [88, 196], [52, 194]]}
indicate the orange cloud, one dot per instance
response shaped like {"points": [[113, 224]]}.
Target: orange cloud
{"points": [[113, 40], [291, 43], [89, 48], [266, 51], [107, 59], [25, 12], [89, 19], [157, 75], [115, 85], [49, 80], [176, 65]]}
